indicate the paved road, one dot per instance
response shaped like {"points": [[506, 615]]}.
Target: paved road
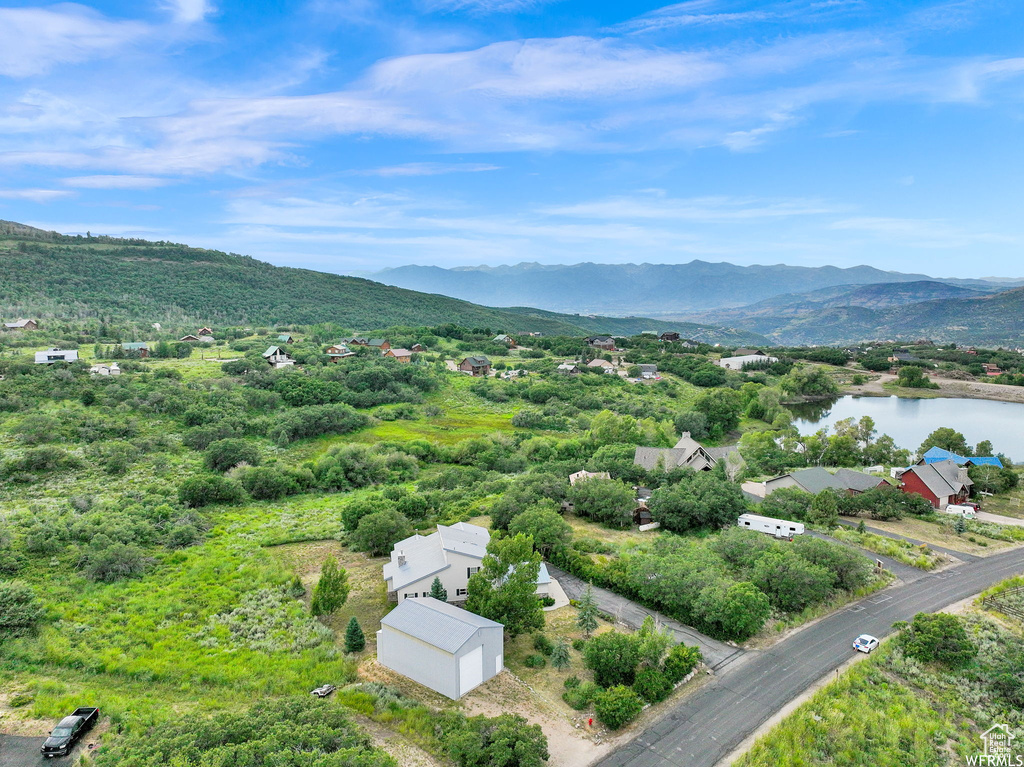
{"points": [[709, 724], [999, 519], [20, 751], [716, 654], [905, 573]]}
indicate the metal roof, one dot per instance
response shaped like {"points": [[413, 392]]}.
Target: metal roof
{"points": [[941, 477], [437, 623], [936, 454]]}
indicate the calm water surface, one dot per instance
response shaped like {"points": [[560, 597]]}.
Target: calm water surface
{"points": [[909, 421]]}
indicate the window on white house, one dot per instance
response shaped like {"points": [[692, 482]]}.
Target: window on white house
{"points": [[460, 592], [471, 570]]}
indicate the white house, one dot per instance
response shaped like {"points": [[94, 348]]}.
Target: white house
{"points": [[451, 554], [737, 363], [278, 357], [105, 370], [56, 355], [584, 474], [441, 646]]}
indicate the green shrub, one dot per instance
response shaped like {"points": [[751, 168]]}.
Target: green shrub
{"points": [[19, 610], [542, 644], [613, 658], [535, 661], [652, 685], [572, 682], [581, 696], [205, 489], [617, 706], [681, 660], [226, 453]]}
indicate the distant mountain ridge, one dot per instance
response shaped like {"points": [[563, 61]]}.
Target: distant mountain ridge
{"points": [[52, 275], [632, 289]]}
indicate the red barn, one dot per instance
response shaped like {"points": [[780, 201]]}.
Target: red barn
{"points": [[941, 483]]}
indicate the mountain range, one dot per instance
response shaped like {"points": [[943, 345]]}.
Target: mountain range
{"points": [[50, 275], [786, 304]]}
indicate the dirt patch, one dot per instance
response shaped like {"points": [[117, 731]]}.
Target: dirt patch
{"points": [[947, 388], [367, 599], [938, 535], [404, 752]]}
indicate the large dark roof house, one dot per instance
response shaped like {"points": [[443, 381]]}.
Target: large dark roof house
{"points": [[477, 366], [688, 453], [816, 479], [602, 342]]}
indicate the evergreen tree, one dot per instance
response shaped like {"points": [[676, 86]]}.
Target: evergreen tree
{"points": [[560, 655], [586, 619], [355, 640], [437, 591], [331, 590]]}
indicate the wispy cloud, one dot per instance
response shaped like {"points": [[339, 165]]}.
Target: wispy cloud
{"points": [[189, 11], [655, 204], [484, 6], [115, 182], [425, 169], [33, 40], [920, 233], [34, 195]]}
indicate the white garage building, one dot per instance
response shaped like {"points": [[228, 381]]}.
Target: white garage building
{"points": [[441, 646]]}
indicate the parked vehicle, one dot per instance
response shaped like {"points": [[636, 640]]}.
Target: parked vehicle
{"points": [[780, 528], [324, 691], [964, 510], [68, 731], [865, 643]]}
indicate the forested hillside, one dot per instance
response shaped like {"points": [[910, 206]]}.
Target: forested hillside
{"points": [[51, 275]]}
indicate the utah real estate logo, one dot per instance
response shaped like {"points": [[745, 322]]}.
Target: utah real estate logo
{"points": [[999, 750]]}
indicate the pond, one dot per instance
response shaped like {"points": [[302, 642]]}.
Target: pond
{"points": [[909, 421]]}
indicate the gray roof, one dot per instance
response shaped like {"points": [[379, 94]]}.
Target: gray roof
{"points": [[718, 453], [477, 361], [17, 324], [941, 477], [648, 368], [858, 480], [816, 479], [425, 554], [437, 623]]}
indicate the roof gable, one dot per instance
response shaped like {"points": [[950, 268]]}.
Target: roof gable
{"points": [[437, 623]]}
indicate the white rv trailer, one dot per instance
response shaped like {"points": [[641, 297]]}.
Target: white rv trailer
{"points": [[780, 528]]}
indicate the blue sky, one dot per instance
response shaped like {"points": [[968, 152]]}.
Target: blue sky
{"points": [[355, 134]]}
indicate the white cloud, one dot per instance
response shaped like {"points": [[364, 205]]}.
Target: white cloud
{"points": [[34, 40], [189, 11], [655, 205], [485, 6], [426, 169], [920, 233], [34, 195], [115, 182]]}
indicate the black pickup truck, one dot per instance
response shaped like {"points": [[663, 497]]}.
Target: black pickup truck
{"points": [[64, 736]]}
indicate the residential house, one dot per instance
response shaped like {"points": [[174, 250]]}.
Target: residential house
{"points": [[568, 368], [443, 647], [56, 355], [608, 367], [581, 475], [286, 338], [940, 483], [502, 338], [357, 341], [642, 515], [338, 352], [690, 344], [140, 347], [816, 479], [648, 371], [418, 348], [991, 369], [737, 362], [105, 370], [402, 355], [204, 332], [378, 343], [749, 353], [601, 342], [278, 357], [670, 336], [189, 338], [21, 325], [477, 366], [451, 554], [688, 453], [936, 454], [903, 357]]}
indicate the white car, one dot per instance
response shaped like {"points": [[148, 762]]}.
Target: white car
{"points": [[865, 643]]}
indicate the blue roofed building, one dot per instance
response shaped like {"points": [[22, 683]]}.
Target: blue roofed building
{"points": [[936, 454]]}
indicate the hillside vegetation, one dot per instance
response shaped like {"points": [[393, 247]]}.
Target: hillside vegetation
{"points": [[72, 277]]}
